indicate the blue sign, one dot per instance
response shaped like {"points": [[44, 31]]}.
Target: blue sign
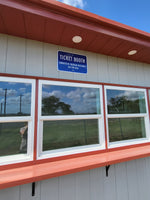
{"points": [[70, 62]]}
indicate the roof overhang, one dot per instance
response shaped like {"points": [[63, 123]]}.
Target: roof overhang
{"points": [[54, 22]]}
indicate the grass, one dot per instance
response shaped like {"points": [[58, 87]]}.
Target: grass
{"points": [[10, 138], [71, 133], [63, 134], [126, 128]]}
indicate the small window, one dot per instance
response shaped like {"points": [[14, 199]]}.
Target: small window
{"points": [[127, 116], [70, 118], [16, 119]]}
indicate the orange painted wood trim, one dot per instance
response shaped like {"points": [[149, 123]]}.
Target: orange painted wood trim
{"points": [[73, 11], [36, 120], [38, 172]]}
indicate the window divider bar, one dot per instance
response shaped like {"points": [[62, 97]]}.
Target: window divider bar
{"points": [[126, 115], [69, 117], [15, 119]]}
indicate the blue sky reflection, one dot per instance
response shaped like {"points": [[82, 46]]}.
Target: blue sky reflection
{"points": [[82, 100]]}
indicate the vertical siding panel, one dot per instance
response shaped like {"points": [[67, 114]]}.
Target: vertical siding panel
{"points": [[109, 184], [34, 58], [15, 62], [50, 61], [113, 70], [67, 187], [3, 52], [26, 192], [123, 71], [96, 184], [50, 189], [143, 186], [140, 77], [102, 68], [10, 193], [131, 72], [147, 74], [121, 181], [147, 163], [92, 74], [82, 186], [132, 181]]}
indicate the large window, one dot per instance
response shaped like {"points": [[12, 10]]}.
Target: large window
{"points": [[127, 116], [70, 118], [16, 119]]}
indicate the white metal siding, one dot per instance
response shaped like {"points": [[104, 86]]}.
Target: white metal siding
{"points": [[125, 181]]}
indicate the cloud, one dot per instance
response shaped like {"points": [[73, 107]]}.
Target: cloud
{"points": [[132, 95], [56, 93], [22, 90], [75, 3], [1, 92], [10, 92], [90, 95], [74, 95]]}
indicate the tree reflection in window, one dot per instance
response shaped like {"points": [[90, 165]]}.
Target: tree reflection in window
{"points": [[15, 99], [125, 101], [54, 106], [67, 100]]}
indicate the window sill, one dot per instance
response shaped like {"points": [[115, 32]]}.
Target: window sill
{"points": [[38, 172]]}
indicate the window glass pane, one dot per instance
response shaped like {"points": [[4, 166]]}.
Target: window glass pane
{"points": [[66, 100], [69, 133], [13, 138], [15, 99], [126, 128], [125, 101]]}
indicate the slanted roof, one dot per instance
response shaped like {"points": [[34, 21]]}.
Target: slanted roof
{"points": [[54, 22]]}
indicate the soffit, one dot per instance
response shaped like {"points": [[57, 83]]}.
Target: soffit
{"points": [[56, 23]]}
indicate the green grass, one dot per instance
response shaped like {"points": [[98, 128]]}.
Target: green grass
{"points": [[70, 133], [10, 138], [126, 128], [63, 134]]}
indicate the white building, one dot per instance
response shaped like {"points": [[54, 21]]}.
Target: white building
{"points": [[84, 106]]}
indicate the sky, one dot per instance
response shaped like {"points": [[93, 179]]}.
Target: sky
{"points": [[81, 99], [134, 13], [13, 92]]}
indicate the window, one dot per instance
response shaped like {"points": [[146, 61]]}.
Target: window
{"points": [[16, 119], [70, 118], [127, 116]]}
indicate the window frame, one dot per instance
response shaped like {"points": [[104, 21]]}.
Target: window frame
{"points": [[19, 158], [128, 142], [71, 150]]}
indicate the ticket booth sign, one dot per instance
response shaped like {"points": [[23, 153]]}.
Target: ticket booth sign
{"points": [[70, 62]]}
